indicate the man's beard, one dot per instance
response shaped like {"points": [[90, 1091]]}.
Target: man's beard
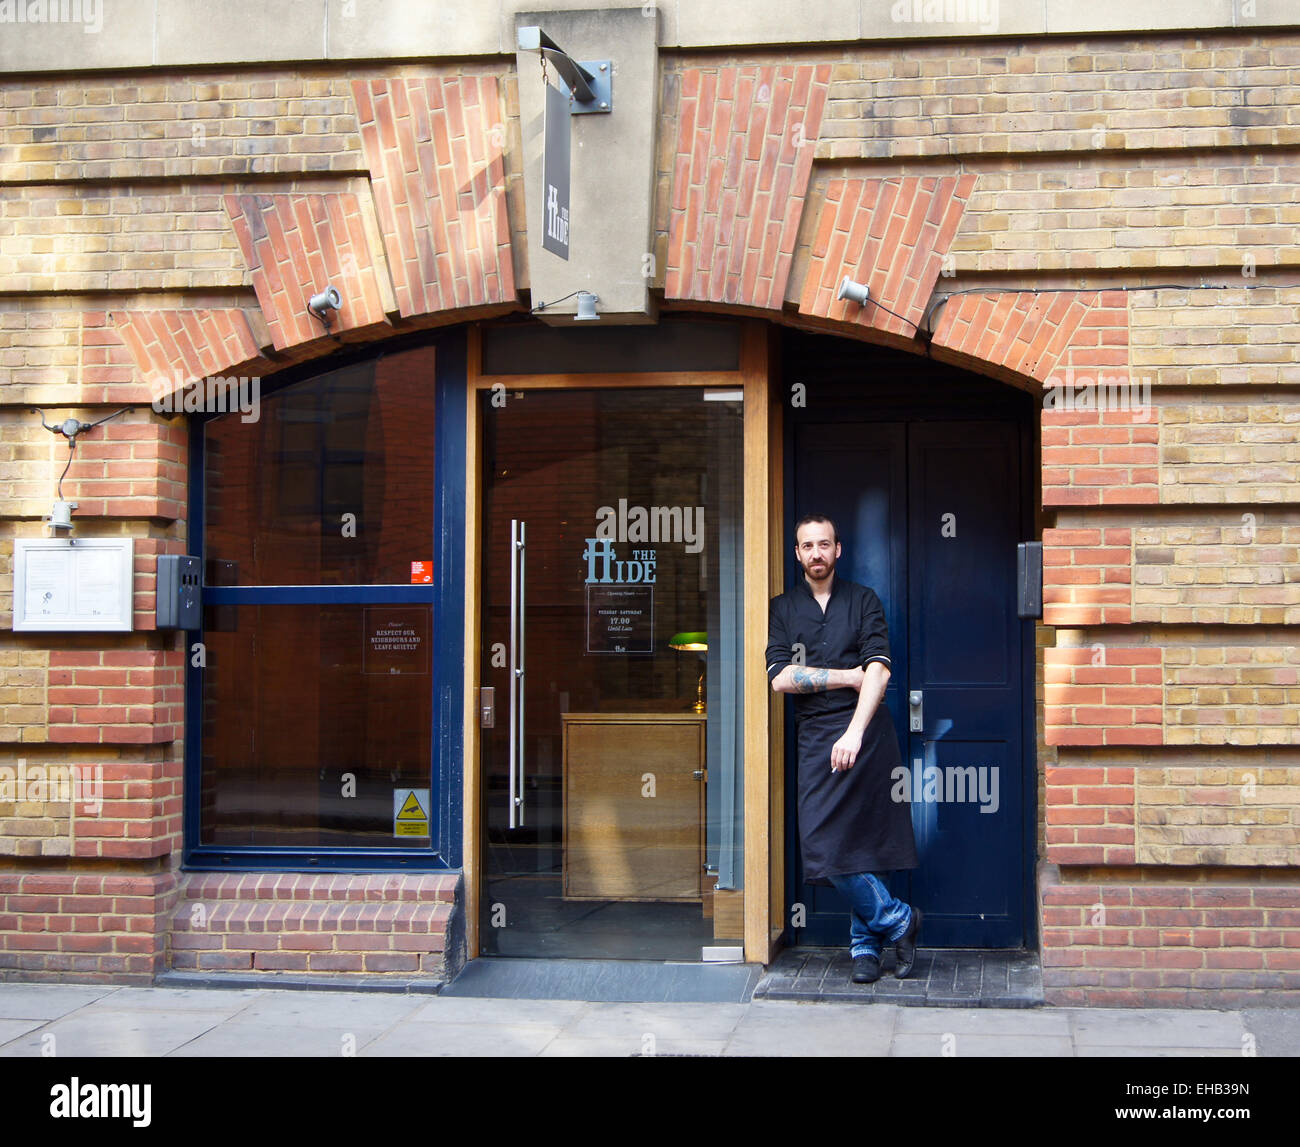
{"points": [[825, 572]]}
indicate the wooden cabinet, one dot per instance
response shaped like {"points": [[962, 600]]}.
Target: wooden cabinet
{"points": [[634, 806]]}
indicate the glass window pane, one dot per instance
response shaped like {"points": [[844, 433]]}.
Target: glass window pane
{"points": [[314, 717], [332, 485]]}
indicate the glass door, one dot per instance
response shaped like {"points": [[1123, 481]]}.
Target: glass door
{"points": [[610, 687]]}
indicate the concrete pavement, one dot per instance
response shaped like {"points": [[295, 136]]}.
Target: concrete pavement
{"points": [[77, 1020]]}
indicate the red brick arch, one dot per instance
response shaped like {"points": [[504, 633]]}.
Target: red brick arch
{"points": [[753, 224]]}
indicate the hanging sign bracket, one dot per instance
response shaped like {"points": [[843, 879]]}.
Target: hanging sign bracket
{"points": [[588, 81]]}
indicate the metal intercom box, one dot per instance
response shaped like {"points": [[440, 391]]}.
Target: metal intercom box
{"points": [[179, 592], [1029, 579]]}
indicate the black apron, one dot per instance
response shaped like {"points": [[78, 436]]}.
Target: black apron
{"points": [[848, 821]]}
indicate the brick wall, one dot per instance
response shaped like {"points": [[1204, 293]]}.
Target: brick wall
{"points": [[1115, 943], [84, 925], [315, 923]]}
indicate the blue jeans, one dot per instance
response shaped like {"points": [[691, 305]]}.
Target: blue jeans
{"points": [[874, 912]]}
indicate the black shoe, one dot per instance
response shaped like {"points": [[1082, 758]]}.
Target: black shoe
{"points": [[905, 947], [866, 969]]}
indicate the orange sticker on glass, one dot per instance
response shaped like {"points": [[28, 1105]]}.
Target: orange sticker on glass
{"points": [[421, 573]]}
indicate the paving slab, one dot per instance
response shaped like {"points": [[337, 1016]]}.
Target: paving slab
{"points": [[462, 1039], [1094, 1051], [786, 1028], [47, 1001], [12, 1029], [247, 1040], [984, 1021], [965, 1045], [782, 1017], [1156, 1027], [180, 1000], [345, 1010], [663, 1021], [452, 1009], [622, 1046], [103, 1031]]}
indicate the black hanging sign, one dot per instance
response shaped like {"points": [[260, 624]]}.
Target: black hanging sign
{"points": [[555, 172]]}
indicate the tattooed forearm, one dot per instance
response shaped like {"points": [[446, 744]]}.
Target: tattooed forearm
{"points": [[811, 680]]}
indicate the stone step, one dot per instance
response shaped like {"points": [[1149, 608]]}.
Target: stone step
{"points": [[941, 977]]}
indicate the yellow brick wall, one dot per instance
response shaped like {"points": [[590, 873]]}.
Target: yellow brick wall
{"points": [[1247, 814], [1032, 96], [1240, 452], [219, 125], [1231, 694], [23, 676], [71, 238], [1232, 337], [1243, 574]]}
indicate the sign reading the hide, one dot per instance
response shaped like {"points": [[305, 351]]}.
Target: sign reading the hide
{"points": [[555, 173]]}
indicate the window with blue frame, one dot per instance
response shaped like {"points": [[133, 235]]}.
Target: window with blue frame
{"points": [[314, 712]]}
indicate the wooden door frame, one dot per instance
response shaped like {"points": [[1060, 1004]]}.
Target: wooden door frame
{"points": [[763, 763]]}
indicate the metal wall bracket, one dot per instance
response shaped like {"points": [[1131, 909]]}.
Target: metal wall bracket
{"points": [[588, 81], [602, 90]]}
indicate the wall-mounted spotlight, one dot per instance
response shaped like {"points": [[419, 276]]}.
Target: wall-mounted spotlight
{"points": [[854, 292], [586, 307], [328, 300]]}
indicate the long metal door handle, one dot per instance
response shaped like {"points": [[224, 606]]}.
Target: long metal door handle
{"points": [[514, 664], [520, 677]]}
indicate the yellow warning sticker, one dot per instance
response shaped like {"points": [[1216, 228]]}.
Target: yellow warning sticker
{"points": [[410, 812]]}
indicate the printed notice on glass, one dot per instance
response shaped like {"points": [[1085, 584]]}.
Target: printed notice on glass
{"points": [[411, 812], [396, 640], [620, 619], [70, 585]]}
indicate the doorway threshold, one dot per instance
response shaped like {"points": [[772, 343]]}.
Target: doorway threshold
{"points": [[941, 977], [605, 981]]}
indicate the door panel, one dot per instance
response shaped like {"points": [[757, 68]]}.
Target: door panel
{"points": [[964, 647]]}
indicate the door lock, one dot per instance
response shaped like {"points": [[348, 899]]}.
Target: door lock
{"points": [[487, 707], [914, 711]]}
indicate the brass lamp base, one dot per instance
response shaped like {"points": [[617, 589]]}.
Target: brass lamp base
{"points": [[699, 706]]}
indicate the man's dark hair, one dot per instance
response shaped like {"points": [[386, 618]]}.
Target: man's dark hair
{"points": [[809, 518]]}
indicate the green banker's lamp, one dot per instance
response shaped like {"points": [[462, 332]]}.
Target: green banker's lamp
{"points": [[693, 643]]}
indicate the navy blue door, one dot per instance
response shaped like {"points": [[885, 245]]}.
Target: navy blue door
{"points": [[929, 515]]}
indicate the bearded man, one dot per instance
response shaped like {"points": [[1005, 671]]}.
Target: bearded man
{"points": [[828, 644]]}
